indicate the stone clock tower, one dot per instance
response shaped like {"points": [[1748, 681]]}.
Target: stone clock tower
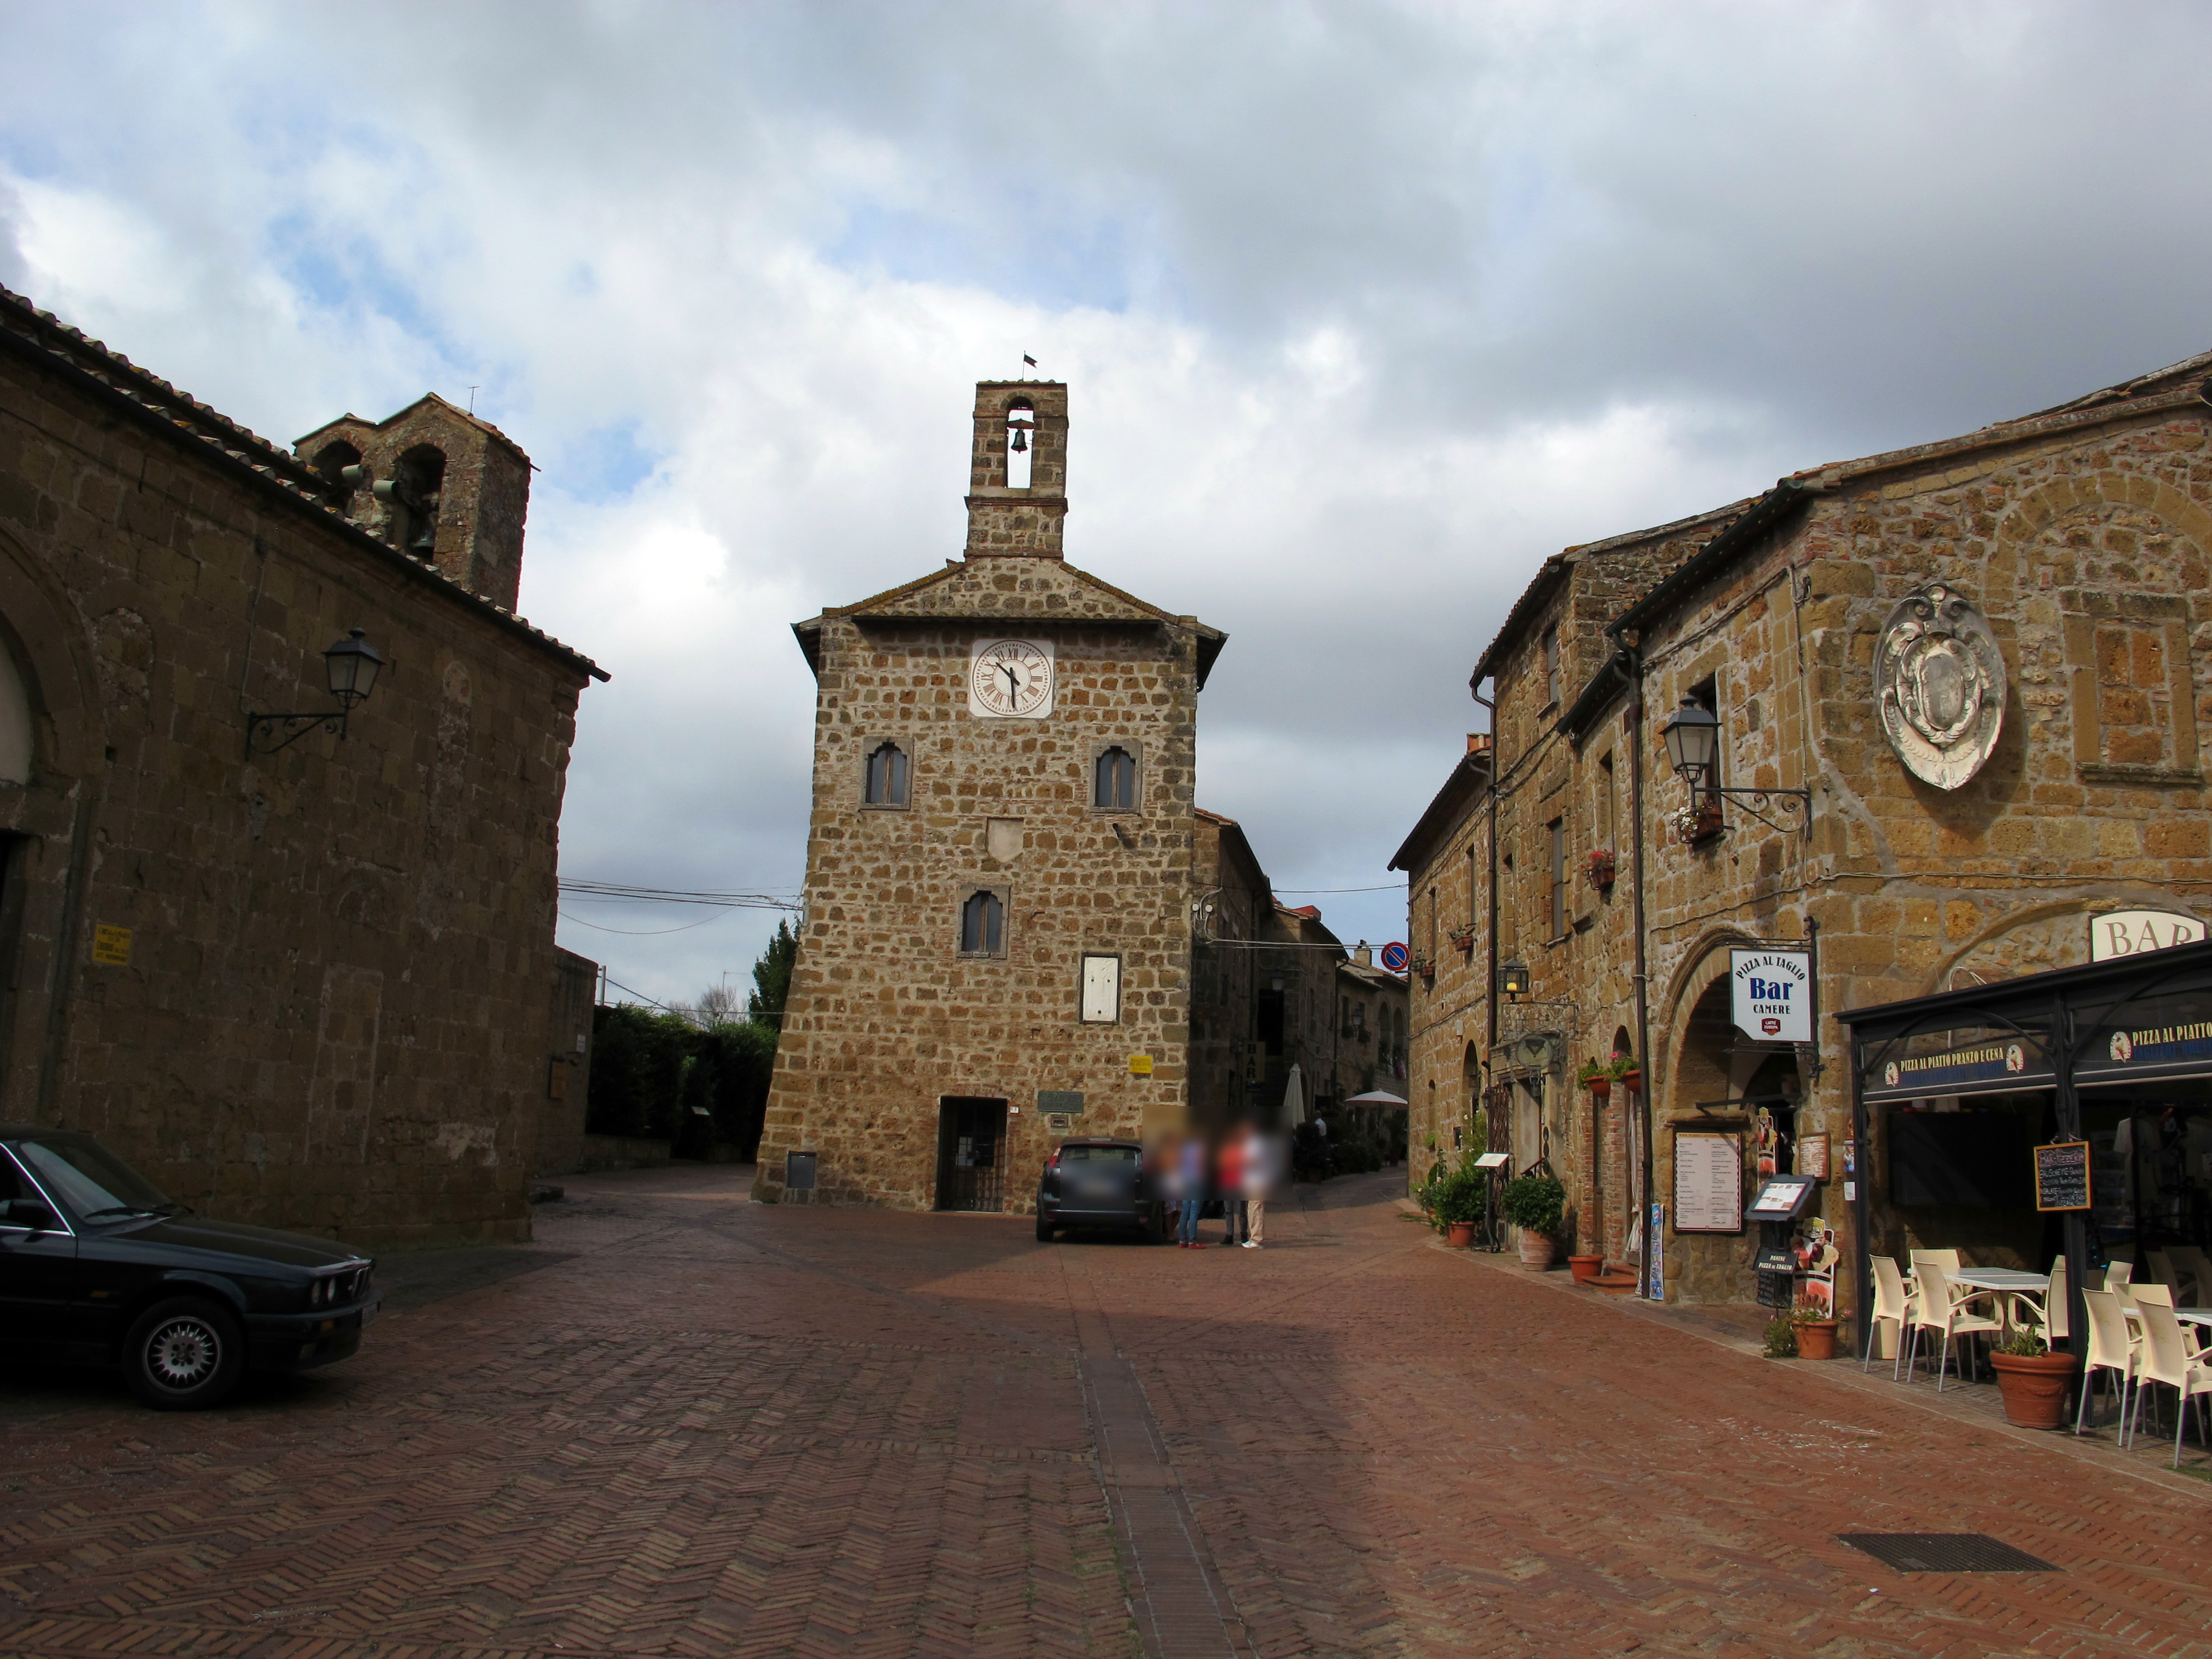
{"points": [[997, 947]]}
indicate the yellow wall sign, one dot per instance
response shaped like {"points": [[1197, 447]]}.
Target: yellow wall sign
{"points": [[111, 946], [1140, 1065]]}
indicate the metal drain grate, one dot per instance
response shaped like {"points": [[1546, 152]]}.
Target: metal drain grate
{"points": [[1944, 1551]]}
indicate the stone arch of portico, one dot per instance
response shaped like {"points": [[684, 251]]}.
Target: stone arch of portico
{"points": [[2012, 921], [2037, 508], [41, 632], [1702, 964]]}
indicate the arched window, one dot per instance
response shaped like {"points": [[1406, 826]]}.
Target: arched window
{"points": [[1021, 442], [886, 781], [982, 923], [1114, 788], [333, 462], [412, 494]]}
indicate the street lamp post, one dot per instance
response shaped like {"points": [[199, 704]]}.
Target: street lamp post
{"points": [[1693, 736], [350, 666]]}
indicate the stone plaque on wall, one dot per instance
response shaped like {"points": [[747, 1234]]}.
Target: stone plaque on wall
{"points": [[1938, 683]]}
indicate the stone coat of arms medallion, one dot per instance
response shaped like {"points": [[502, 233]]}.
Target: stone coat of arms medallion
{"points": [[1940, 684]]}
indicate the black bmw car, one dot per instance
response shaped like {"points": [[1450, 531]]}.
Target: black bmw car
{"points": [[1099, 1182], [97, 1267]]}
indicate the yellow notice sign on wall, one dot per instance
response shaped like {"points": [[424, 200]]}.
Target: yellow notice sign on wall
{"points": [[1140, 1065], [111, 946]]}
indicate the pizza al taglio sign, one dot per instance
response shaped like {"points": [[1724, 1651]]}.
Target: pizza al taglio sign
{"points": [[1770, 994]]}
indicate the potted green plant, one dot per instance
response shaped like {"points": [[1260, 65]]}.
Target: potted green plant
{"points": [[1627, 1073], [2031, 1379], [1596, 1076], [1537, 1204], [1461, 1199], [1813, 1326], [1781, 1337]]}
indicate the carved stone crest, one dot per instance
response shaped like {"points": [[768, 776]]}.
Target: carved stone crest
{"points": [[1939, 681]]}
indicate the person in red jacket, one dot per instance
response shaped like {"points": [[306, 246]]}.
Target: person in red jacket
{"points": [[1229, 1176]]}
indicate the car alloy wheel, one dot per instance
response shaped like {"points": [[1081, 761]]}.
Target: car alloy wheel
{"points": [[184, 1352], [184, 1355]]}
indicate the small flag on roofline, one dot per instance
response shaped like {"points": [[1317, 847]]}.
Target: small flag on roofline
{"points": [[1030, 361]]}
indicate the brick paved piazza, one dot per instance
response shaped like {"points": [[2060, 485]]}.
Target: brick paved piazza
{"points": [[682, 1424]]}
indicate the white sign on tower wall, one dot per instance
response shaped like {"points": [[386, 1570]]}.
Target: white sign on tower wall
{"points": [[2131, 932], [1770, 994]]}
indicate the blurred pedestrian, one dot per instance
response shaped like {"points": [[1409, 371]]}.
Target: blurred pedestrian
{"points": [[1192, 1170], [1229, 1173], [1256, 1164]]}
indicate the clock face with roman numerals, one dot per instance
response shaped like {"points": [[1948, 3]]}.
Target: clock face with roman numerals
{"points": [[1010, 679]]}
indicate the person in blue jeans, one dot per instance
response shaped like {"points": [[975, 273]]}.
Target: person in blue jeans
{"points": [[1192, 1167]]}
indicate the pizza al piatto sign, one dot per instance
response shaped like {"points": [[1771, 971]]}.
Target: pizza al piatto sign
{"points": [[1770, 994]]}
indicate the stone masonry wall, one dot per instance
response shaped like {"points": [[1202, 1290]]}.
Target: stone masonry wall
{"points": [[886, 1015], [334, 1013]]}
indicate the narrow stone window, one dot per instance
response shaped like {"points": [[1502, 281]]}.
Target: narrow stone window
{"points": [[1551, 665], [886, 777], [1114, 788], [1021, 442], [1556, 830], [982, 924]]}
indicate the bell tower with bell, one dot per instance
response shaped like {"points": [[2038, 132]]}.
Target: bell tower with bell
{"points": [[1017, 472]]}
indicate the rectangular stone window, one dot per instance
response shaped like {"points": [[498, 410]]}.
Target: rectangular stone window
{"points": [[1101, 1000], [886, 774], [983, 914], [1117, 777]]}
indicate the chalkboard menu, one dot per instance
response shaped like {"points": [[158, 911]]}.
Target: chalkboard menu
{"points": [[2061, 1176], [1708, 1183]]}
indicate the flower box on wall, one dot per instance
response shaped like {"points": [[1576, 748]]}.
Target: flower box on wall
{"points": [[1600, 866], [1462, 939]]}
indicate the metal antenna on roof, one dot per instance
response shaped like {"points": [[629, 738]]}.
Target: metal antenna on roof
{"points": [[472, 400]]}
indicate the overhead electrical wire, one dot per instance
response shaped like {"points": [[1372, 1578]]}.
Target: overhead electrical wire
{"points": [[609, 890]]}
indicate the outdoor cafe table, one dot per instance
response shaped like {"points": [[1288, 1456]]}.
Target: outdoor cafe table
{"points": [[2006, 1281]]}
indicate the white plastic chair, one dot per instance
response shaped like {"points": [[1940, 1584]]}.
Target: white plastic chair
{"points": [[1947, 1307], [2161, 1273], [2049, 1317], [2111, 1348], [2193, 1260], [2119, 1272], [1891, 1306], [2165, 1360]]}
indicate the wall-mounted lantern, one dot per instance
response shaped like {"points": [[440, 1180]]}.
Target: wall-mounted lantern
{"points": [[1693, 736], [1513, 980], [350, 666]]}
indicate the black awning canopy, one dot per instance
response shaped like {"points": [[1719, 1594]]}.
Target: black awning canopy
{"points": [[2144, 1018]]}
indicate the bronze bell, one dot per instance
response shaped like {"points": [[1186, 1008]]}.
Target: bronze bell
{"points": [[1021, 440]]}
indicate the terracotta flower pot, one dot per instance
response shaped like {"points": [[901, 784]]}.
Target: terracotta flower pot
{"points": [[1537, 1250], [1816, 1339], [1459, 1234], [2034, 1389], [1633, 1081], [1600, 1088], [1585, 1267]]}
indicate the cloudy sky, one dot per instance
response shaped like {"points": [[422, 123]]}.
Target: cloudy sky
{"points": [[1365, 307]]}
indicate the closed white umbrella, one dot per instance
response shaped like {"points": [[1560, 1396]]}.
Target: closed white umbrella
{"points": [[1374, 1098], [1294, 1097]]}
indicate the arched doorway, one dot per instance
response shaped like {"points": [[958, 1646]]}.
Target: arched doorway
{"points": [[1719, 1084]]}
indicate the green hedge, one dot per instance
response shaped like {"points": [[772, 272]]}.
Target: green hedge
{"points": [[650, 1070]]}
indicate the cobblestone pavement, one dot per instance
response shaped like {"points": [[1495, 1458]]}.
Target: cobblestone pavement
{"points": [[682, 1424]]}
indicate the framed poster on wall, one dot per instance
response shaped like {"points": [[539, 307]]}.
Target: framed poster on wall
{"points": [[1708, 1182]]}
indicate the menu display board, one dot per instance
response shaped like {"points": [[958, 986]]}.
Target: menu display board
{"points": [[1813, 1156], [1707, 1182], [2061, 1176]]}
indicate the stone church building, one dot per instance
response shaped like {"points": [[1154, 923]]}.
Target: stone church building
{"points": [[1957, 696], [290, 955], [1000, 860]]}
